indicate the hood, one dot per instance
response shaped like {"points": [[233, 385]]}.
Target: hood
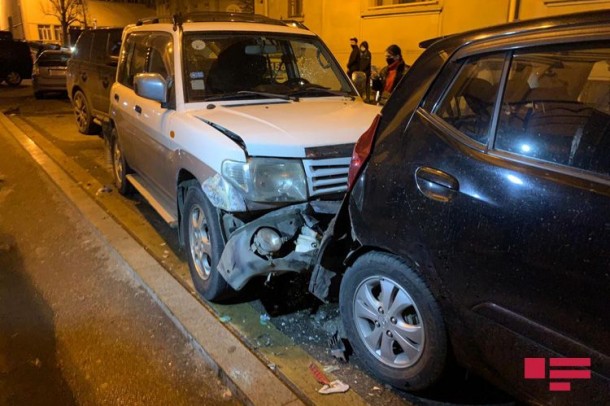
{"points": [[285, 129]]}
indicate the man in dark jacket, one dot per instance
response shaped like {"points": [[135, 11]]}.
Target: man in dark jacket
{"points": [[365, 66], [391, 74], [353, 64]]}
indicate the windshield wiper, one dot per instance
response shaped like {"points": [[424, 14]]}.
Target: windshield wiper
{"points": [[311, 90], [242, 93]]}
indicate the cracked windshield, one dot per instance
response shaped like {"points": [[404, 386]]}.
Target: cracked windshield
{"points": [[220, 67]]}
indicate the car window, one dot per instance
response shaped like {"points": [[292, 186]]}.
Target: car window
{"points": [[133, 58], [52, 59], [100, 44], [114, 42], [161, 55], [556, 108], [83, 46], [218, 64], [468, 103]]}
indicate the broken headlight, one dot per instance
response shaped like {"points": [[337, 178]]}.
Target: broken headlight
{"points": [[268, 179]]}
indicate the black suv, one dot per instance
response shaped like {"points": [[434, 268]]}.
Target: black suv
{"points": [[15, 60], [476, 227], [91, 73]]}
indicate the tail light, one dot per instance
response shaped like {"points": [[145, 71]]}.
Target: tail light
{"points": [[362, 150]]}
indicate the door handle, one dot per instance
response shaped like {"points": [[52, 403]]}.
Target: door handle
{"points": [[105, 82], [116, 97], [436, 185], [138, 109], [83, 76]]}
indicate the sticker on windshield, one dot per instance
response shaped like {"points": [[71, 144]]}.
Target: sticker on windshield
{"points": [[196, 75], [197, 84], [198, 44]]}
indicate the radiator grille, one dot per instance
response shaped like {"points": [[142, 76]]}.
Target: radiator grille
{"points": [[326, 176]]}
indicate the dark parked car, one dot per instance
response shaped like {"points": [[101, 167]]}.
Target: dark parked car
{"points": [[15, 62], [476, 227], [91, 73], [49, 73]]}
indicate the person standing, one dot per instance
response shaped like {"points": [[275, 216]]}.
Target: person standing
{"points": [[365, 66], [353, 64], [391, 74]]}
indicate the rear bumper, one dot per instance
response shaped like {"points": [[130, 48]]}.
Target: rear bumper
{"points": [[44, 83]]}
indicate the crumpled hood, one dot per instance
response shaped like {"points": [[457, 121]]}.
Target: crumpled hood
{"points": [[285, 129]]}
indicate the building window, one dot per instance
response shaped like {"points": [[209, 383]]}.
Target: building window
{"points": [[295, 8], [389, 7], [44, 32], [57, 32]]}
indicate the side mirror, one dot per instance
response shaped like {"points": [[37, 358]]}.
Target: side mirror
{"points": [[151, 86]]}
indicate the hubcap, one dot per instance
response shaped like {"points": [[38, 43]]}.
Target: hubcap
{"points": [[388, 322], [118, 163], [80, 110], [13, 78], [199, 241]]}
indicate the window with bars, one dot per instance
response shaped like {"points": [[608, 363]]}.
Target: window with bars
{"points": [[295, 8]]}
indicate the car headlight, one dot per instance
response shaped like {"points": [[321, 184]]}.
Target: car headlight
{"points": [[268, 179]]}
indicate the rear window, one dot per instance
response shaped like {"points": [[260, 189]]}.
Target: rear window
{"points": [[46, 60]]}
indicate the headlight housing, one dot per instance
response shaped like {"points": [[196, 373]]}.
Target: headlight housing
{"points": [[268, 179]]}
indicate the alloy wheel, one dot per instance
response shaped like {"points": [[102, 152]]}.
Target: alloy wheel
{"points": [[388, 322], [81, 112], [199, 241]]}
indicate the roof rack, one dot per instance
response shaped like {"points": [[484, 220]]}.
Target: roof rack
{"points": [[218, 16]]}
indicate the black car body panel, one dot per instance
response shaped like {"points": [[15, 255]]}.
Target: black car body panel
{"points": [[15, 57], [513, 244]]}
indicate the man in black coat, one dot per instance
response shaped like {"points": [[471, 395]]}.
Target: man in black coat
{"points": [[353, 64]]}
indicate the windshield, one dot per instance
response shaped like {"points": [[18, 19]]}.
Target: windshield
{"points": [[235, 66], [52, 59]]}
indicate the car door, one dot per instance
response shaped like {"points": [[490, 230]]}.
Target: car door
{"points": [[152, 138], [124, 100], [106, 68]]}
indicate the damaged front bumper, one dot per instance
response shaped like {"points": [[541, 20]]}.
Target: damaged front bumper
{"points": [[283, 240]]}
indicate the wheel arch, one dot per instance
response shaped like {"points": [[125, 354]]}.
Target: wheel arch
{"points": [[184, 180]]}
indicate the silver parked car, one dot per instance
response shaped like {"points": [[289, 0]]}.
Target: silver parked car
{"points": [[49, 73]]}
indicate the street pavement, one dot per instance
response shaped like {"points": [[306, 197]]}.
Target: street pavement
{"points": [[74, 326]]}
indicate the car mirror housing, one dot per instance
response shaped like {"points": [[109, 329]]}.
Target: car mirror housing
{"points": [[151, 86]]}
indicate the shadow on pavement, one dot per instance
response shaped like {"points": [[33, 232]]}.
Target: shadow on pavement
{"points": [[29, 374]]}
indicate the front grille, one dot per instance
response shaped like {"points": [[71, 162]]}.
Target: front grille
{"points": [[326, 176]]}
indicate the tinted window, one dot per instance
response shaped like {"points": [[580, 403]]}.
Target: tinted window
{"points": [[83, 45], [114, 42], [556, 108], [100, 43], [133, 58], [468, 104], [53, 59]]}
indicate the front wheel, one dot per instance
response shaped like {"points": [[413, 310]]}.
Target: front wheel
{"points": [[204, 244], [393, 322]]}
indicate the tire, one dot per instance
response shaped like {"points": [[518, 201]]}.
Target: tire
{"points": [[204, 245], [120, 167], [82, 112], [366, 312], [13, 79]]}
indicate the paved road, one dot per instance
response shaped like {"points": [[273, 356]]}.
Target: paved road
{"points": [[74, 328]]}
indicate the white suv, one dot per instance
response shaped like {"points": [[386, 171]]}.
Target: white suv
{"points": [[239, 131]]}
